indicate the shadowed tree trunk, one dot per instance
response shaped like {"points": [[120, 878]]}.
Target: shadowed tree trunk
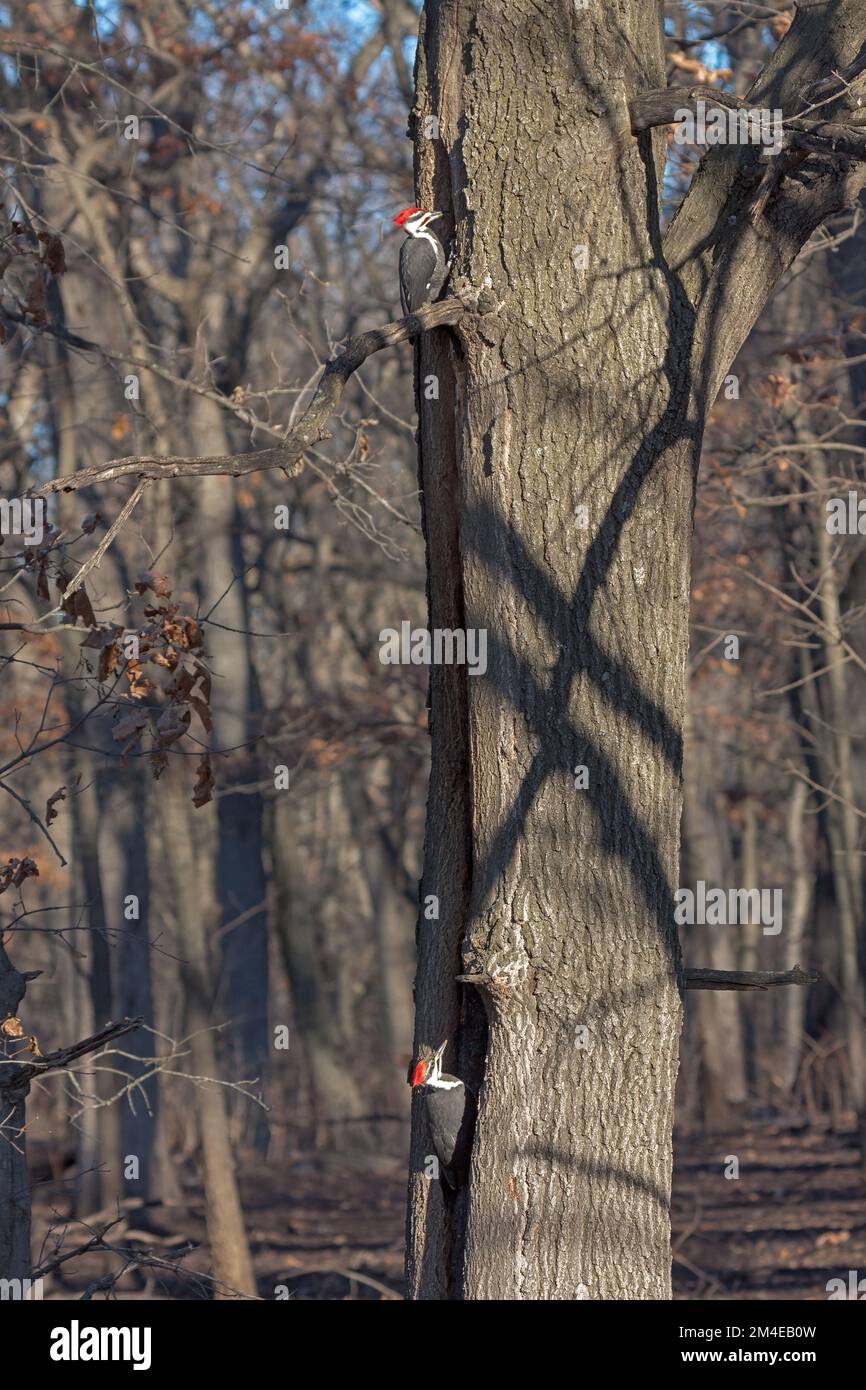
{"points": [[335, 1096], [240, 880], [584, 384], [100, 1180], [125, 876], [14, 1181]]}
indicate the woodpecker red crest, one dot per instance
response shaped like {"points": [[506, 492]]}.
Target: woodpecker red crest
{"points": [[403, 217]]}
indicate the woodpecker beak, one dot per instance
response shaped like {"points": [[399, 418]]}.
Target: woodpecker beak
{"points": [[431, 216], [438, 1055]]}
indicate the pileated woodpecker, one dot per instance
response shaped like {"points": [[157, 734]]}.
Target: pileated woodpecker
{"points": [[451, 1115], [423, 263]]}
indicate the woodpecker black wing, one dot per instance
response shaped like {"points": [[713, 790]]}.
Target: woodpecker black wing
{"points": [[423, 269], [451, 1114], [405, 280]]}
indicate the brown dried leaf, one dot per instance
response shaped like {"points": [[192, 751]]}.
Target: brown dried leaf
{"points": [[78, 606], [157, 583], [781, 23], [181, 685], [130, 727], [200, 696], [101, 637], [53, 256], [778, 388], [185, 633], [168, 659], [109, 659], [50, 813], [172, 725], [203, 789], [139, 685]]}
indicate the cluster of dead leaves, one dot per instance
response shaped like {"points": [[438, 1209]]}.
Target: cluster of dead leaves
{"points": [[173, 643], [162, 662], [43, 563], [27, 259], [14, 872], [77, 605], [168, 671]]}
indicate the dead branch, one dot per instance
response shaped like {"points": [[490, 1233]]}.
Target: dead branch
{"points": [[658, 108], [310, 430], [748, 979], [19, 1073]]}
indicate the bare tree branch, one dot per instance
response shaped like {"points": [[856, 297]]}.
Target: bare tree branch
{"points": [[310, 430], [748, 979], [19, 1073], [661, 107]]}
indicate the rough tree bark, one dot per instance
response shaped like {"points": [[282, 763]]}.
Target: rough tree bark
{"points": [[584, 383]]}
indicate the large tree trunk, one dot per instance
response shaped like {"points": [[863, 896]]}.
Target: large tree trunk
{"points": [[583, 382], [571, 395]]}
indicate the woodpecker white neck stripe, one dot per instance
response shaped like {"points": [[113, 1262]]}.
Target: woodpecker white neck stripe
{"points": [[441, 1084], [421, 231]]}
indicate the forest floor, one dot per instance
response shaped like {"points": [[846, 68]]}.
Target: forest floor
{"points": [[793, 1219], [323, 1228]]}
